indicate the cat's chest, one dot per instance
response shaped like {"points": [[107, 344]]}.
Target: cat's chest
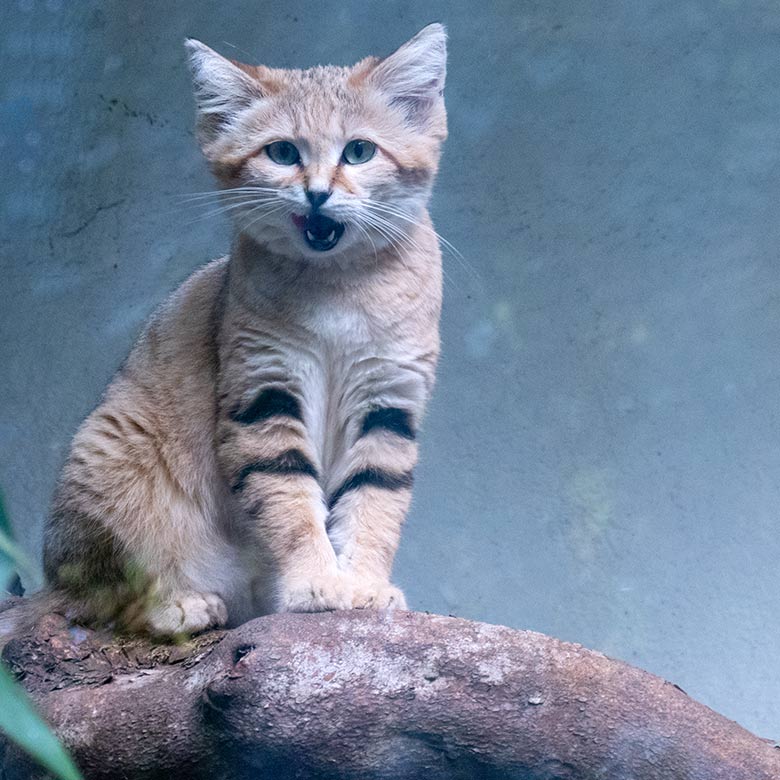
{"points": [[328, 345], [338, 360], [340, 329]]}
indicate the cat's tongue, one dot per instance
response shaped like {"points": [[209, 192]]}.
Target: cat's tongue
{"points": [[320, 233]]}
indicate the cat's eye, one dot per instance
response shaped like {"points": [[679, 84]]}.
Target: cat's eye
{"points": [[283, 153], [358, 151]]}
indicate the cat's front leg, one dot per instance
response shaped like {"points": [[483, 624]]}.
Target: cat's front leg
{"points": [[369, 502], [266, 455]]}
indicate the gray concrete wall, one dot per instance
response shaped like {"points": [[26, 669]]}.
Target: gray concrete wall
{"points": [[602, 458]]}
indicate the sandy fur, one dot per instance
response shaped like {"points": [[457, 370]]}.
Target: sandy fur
{"points": [[176, 509]]}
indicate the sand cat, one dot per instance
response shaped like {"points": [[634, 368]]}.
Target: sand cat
{"points": [[255, 450]]}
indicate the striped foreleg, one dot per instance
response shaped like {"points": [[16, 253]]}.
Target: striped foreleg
{"points": [[369, 502], [266, 455]]}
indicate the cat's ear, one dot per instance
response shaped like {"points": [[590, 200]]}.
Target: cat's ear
{"points": [[413, 75], [222, 89]]}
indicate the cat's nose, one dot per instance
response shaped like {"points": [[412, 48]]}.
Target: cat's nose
{"points": [[316, 198]]}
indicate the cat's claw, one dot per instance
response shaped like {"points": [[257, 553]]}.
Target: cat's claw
{"points": [[188, 613], [378, 595], [320, 593]]}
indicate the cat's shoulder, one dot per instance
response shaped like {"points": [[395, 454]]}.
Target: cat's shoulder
{"points": [[186, 320], [201, 286], [197, 293]]}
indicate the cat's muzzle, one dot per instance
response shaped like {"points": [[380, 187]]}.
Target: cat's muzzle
{"points": [[321, 233]]}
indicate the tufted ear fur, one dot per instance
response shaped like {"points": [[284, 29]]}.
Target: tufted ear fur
{"points": [[222, 89], [412, 77]]}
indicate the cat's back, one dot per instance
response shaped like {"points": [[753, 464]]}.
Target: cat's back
{"points": [[181, 333], [166, 386]]}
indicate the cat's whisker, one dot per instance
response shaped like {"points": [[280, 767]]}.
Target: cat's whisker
{"points": [[406, 216], [205, 202], [212, 209], [224, 192], [190, 207], [401, 215], [394, 210], [259, 209], [259, 212], [227, 197], [221, 203], [387, 237], [365, 232], [251, 204], [392, 234], [398, 231], [243, 200], [280, 207], [404, 238]]}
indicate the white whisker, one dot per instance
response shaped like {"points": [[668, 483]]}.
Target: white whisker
{"points": [[394, 210], [228, 191], [397, 236], [397, 231], [388, 208], [365, 232], [393, 235], [268, 213], [251, 204]]}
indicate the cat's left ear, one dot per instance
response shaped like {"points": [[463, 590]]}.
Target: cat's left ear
{"points": [[222, 89], [413, 76]]}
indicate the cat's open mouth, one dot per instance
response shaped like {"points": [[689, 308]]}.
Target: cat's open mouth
{"points": [[319, 232]]}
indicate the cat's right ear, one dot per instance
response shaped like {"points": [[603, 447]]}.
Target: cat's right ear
{"points": [[222, 89]]}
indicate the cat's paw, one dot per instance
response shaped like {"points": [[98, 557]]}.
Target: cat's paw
{"points": [[320, 593], [378, 595], [188, 613]]}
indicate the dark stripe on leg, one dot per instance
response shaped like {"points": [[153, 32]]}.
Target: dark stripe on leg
{"points": [[374, 478], [270, 402], [290, 462], [397, 421]]}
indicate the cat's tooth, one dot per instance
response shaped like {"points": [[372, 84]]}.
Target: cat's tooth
{"points": [[310, 235], [331, 235]]}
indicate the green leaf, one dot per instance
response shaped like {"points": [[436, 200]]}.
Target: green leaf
{"points": [[7, 566], [18, 717], [7, 570], [12, 557], [21, 722], [11, 553]]}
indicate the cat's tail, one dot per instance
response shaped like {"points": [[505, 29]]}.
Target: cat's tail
{"points": [[18, 615]]}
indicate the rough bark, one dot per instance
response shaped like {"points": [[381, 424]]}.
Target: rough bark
{"points": [[369, 695]]}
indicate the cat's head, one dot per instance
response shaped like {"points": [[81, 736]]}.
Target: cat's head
{"points": [[329, 162]]}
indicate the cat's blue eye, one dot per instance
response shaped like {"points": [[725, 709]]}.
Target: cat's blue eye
{"points": [[283, 153], [358, 151]]}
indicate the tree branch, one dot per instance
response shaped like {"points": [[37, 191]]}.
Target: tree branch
{"points": [[369, 695]]}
